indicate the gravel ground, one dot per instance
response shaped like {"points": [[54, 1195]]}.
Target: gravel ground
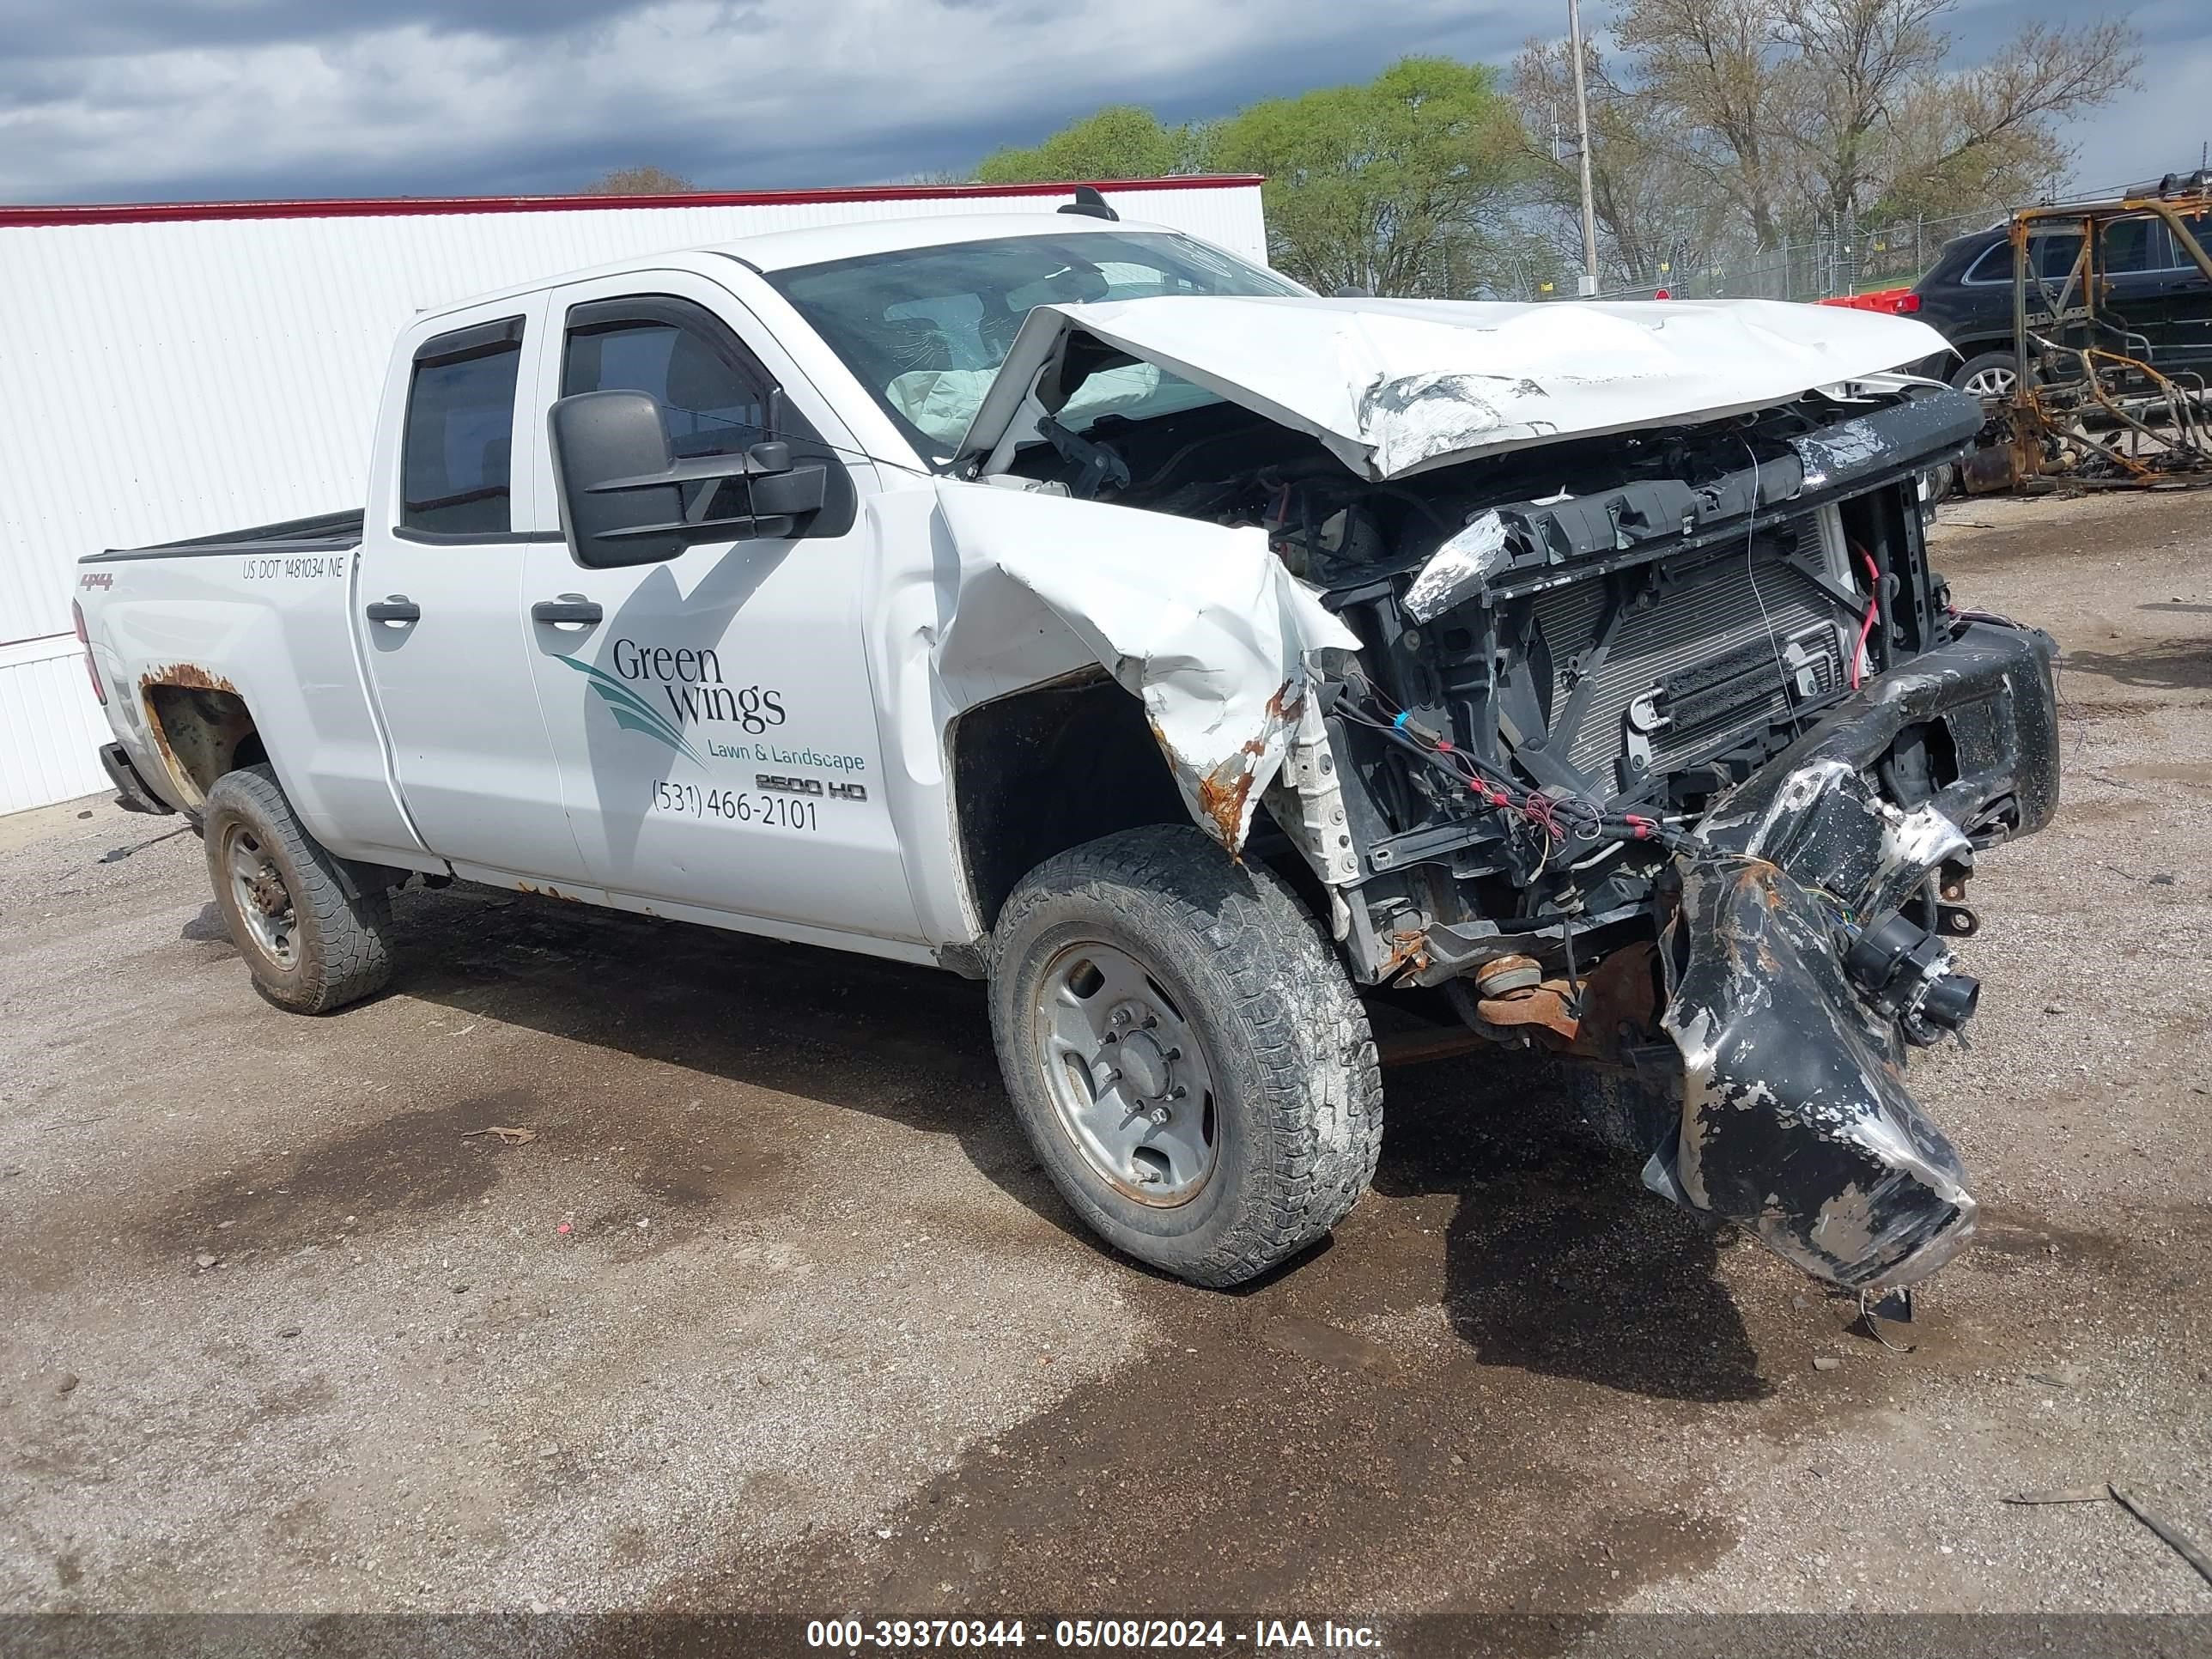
{"points": [[775, 1311]]}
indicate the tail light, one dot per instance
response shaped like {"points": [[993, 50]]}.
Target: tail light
{"points": [[91, 668], [1907, 303]]}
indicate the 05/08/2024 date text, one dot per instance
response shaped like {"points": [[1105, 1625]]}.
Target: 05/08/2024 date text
{"points": [[734, 805]]}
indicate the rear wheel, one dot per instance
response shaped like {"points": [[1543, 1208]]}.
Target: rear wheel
{"points": [[1991, 374], [312, 934], [1185, 1054]]}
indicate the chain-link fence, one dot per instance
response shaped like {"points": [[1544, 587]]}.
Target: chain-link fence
{"points": [[1836, 260], [1851, 259]]}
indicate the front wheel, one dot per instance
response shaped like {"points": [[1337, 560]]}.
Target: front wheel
{"points": [[1185, 1054], [312, 935]]}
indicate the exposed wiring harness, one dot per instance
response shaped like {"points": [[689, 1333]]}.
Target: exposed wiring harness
{"points": [[1873, 610], [1568, 823], [1566, 820]]}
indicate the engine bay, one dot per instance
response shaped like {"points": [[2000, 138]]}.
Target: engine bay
{"points": [[1570, 650], [1656, 745]]}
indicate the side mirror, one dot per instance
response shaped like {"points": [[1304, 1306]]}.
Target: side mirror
{"points": [[624, 502]]}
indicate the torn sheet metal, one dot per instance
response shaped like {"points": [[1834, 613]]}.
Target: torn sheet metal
{"points": [[1398, 387], [1795, 1121], [1849, 447], [1202, 623], [1458, 570], [1796, 1124]]}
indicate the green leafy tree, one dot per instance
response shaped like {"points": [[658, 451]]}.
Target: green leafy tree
{"points": [[1403, 184], [1120, 141]]}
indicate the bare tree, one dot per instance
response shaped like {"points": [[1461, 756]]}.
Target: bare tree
{"points": [[638, 181], [1850, 61], [1717, 89], [1656, 211], [1983, 135], [1825, 110]]}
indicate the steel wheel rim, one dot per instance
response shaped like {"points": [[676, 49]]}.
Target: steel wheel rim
{"points": [[262, 897], [1992, 382], [1131, 1085]]}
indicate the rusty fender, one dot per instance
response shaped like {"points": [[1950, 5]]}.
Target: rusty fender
{"points": [[1795, 1121]]}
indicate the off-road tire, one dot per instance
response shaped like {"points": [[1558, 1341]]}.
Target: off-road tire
{"points": [[1297, 1090], [340, 922]]}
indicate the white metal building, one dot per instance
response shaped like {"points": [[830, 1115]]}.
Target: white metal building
{"points": [[175, 370]]}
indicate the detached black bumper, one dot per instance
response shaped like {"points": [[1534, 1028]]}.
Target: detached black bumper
{"points": [[1795, 1121], [1990, 693], [131, 790]]}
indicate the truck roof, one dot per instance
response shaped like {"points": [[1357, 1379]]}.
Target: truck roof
{"points": [[782, 250]]}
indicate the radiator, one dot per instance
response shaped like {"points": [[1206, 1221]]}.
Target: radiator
{"points": [[1731, 642]]}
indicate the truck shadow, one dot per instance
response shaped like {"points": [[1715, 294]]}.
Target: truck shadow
{"points": [[2163, 665], [909, 1044], [1557, 1261]]}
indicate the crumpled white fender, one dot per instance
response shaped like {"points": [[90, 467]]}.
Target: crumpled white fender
{"points": [[1202, 623]]}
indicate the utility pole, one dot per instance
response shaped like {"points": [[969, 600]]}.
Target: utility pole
{"points": [[1581, 119]]}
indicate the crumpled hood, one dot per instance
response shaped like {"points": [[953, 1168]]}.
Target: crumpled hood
{"points": [[1397, 387]]}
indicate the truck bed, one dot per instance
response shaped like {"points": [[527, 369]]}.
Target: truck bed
{"points": [[324, 533]]}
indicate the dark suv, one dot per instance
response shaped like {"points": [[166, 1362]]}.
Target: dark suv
{"points": [[2157, 303]]}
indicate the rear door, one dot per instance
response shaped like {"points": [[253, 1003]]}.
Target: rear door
{"points": [[2186, 304], [442, 617], [2135, 260], [712, 716]]}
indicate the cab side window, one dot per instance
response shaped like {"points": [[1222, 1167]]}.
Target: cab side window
{"points": [[457, 448], [2200, 226], [713, 399]]}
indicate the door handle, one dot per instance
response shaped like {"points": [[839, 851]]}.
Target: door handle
{"points": [[395, 608], [569, 608]]}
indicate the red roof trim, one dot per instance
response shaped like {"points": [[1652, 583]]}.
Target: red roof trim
{"points": [[120, 213]]}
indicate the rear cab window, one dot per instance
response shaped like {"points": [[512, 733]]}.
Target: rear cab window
{"points": [[456, 469]]}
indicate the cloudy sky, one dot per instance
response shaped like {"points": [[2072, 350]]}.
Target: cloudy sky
{"points": [[153, 99]]}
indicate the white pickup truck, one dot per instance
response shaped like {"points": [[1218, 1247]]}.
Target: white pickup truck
{"points": [[1070, 603]]}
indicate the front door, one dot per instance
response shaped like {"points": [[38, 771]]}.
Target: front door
{"points": [[440, 597], [712, 716]]}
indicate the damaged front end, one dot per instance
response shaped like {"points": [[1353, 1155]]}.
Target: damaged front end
{"points": [[1804, 953], [1619, 704]]}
